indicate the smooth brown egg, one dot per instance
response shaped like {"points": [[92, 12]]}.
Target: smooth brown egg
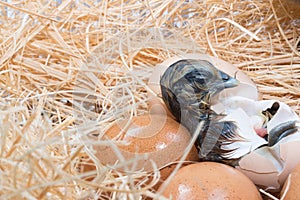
{"points": [[210, 180], [287, 8], [156, 138], [291, 188]]}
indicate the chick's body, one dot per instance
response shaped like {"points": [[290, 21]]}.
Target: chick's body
{"points": [[187, 87]]}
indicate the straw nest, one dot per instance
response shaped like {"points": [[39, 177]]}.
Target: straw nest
{"points": [[68, 69]]}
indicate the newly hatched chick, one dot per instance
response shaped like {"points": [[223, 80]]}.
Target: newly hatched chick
{"points": [[187, 87]]}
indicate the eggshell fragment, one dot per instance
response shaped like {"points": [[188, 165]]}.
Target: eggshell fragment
{"points": [[156, 138], [246, 87], [291, 188], [266, 166], [210, 180]]}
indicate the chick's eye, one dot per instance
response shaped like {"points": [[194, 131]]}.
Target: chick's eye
{"points": [[225, 77]]}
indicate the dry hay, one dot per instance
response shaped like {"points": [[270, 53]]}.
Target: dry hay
{"points": [[69, 69]]}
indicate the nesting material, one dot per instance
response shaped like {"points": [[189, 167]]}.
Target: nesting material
{"points": [[69, 69]]}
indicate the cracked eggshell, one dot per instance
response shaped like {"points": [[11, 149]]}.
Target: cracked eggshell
{"points": [[266, 166], [246, 128], [153, 138], [269, 167], [290, 190], [246, 87]]}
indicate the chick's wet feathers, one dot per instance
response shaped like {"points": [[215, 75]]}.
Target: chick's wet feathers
{"points": [[187, 87]]}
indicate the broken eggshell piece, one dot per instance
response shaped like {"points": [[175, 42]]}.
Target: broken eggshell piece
{"points": [[266, 166], [290, 188], [246, 87]]}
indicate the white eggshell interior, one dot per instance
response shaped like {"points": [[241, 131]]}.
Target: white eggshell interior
{"points": [[265, 166]]}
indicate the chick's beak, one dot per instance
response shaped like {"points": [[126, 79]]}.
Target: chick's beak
{"points": [[228, 81], [231, 82]]}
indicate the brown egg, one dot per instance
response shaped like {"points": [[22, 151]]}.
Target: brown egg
{"points": [[291, 188], [246, 87], [287, 8], [85, 165], [160, 137], [210, 180]]}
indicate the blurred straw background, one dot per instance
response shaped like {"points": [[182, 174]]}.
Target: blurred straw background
{"points": [[69, 69]]}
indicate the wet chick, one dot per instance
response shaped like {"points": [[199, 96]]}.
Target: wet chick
{"points": [[187, 87]]}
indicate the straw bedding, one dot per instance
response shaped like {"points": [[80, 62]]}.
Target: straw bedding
{"points": [[69, 69]]}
